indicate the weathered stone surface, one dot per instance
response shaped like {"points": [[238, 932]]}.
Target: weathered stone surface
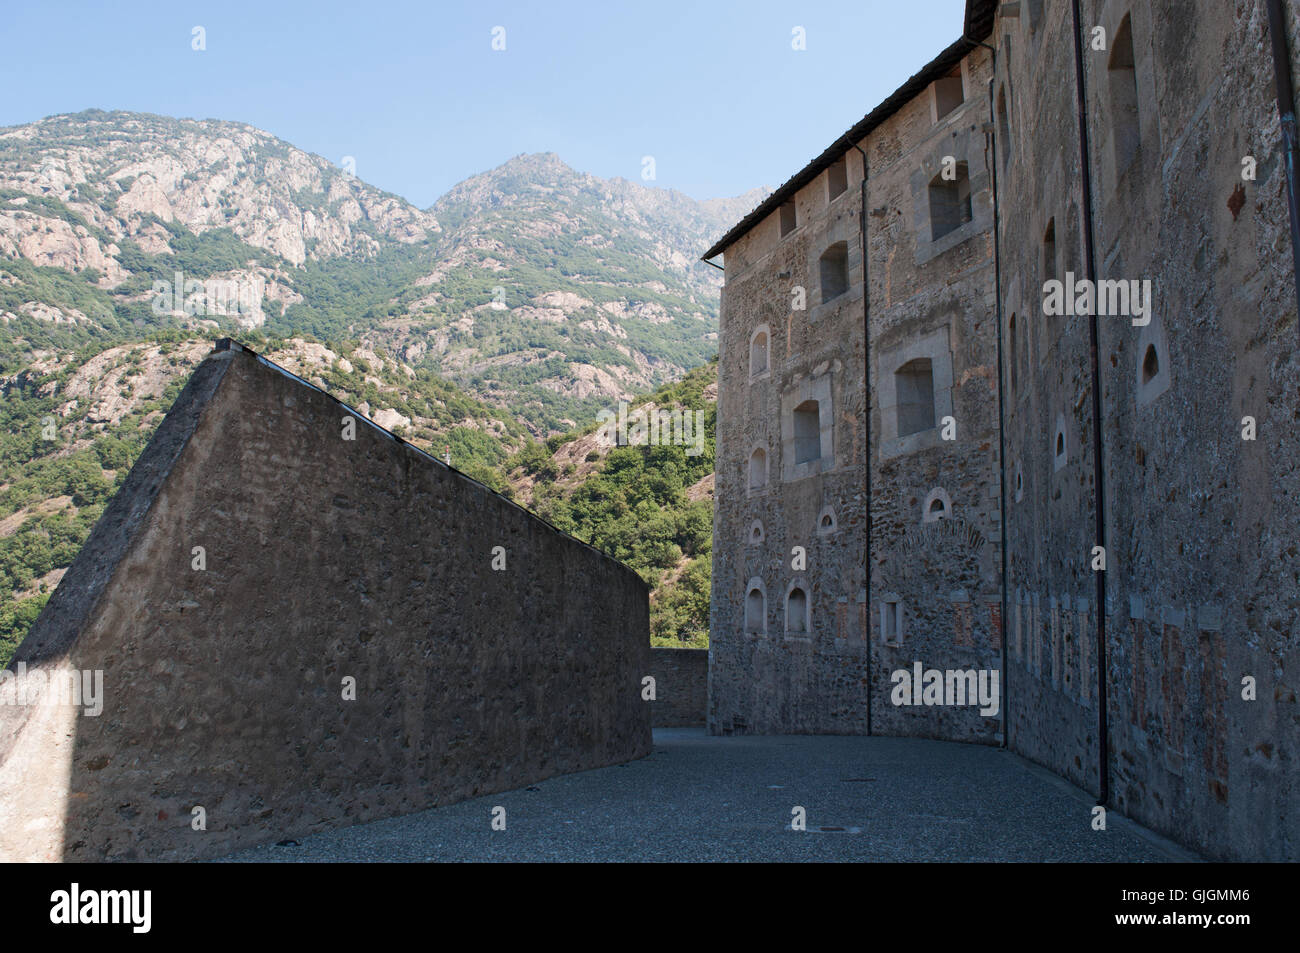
{"points": [[943, 573], [1202, 568], [326, 559], [1202, 565], [681, 686]]}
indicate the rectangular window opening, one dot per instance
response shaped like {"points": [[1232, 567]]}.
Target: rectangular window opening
{"points": [[807, 432], [948, 93], [837, 178], [788, 222]]}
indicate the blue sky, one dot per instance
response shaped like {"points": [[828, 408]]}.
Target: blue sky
{"points": [[415, 92]]}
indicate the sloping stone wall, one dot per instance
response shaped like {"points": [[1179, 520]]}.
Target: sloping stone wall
{"points": [[326, 562]]}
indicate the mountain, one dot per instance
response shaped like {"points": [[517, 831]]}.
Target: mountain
{"points": [[121, 200], [556, 293], [538, 289], [527, 298], [128, 174]]}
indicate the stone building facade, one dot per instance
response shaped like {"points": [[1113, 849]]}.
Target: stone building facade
{"points": [[796, 645], [1200, 525], [1189, 629]]}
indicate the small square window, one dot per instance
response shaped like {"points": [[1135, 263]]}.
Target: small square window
{"points": [[914, 385], [788, 220], [807, 432], [837, 178], [950, 206], [1035, 8], [948, 93], [833, 269]]}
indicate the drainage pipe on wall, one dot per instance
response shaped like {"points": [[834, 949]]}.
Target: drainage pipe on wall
{"points": [[1286, 113], [1002, 442], [1098, 470], [1002, 439], [866, 401]]}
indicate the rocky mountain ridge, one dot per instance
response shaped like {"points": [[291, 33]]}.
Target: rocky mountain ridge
{"points": [[538, 289]]}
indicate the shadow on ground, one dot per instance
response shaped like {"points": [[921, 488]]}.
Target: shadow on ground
{"points": [[703, 798]]}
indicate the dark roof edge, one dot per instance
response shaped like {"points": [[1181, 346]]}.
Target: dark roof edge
{"points": [[977, 26]]}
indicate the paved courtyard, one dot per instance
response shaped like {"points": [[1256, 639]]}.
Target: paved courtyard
{"points": [[702, 798]]}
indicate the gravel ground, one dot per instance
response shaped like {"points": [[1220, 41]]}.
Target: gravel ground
{"points": [[702, 798]]}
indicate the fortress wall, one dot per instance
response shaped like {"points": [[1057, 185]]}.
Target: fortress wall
{"points": [[326, 559], [932, 299], [767, 675], [943, 574], [681, 686], [1202, 565]]}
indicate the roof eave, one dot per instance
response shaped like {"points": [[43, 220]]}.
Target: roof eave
{"points": [[977, 25]]}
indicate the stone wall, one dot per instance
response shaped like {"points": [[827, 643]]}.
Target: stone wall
{"points": [[1202, 568], [772, 676], [933, 300], [930, 298], [681, 687], [1199, 485], [327, 562]]}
